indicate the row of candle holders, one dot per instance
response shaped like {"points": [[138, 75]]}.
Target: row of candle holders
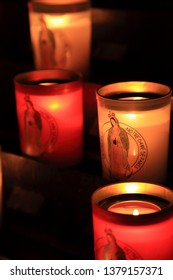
{"points": [[132, 218]]}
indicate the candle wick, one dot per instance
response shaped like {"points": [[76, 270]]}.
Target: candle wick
{"points": [[135, 212]]}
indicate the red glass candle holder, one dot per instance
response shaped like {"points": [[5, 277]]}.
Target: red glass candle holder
{"points": [[133, 221], [50, 115]]}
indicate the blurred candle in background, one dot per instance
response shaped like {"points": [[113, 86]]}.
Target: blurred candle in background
{"points": [[61, 34], [134, 128], [133, 220], [49, 107], [1, 194]]}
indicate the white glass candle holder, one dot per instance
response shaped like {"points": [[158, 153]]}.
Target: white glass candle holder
{"points": [[49, 106], [134, 127], [61, 34], [133, 220]]}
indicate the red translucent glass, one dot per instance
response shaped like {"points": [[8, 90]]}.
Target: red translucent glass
{"points": [[50, 115]]}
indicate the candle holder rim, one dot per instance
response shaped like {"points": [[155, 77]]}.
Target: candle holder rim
{"points": [[132, 219], [133, 83], [45, 72], [50, 2], [53, 7], [163, 92], [24, 80]]}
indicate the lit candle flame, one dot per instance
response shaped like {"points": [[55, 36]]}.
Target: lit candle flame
{"points": [[135, 212]]}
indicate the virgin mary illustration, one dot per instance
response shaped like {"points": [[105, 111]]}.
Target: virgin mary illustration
{"points": [[47, 46], [55, 50], [108, 248], [32, 129], [118, 146]]}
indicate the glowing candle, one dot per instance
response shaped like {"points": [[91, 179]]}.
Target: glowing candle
{"points": [[61, 34], [133, 221], [134, 207], [50, 115], [134, 125]]}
